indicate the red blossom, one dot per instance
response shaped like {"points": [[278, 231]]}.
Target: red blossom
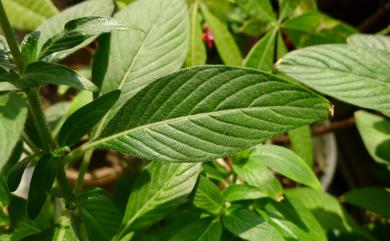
{"points": [[208, 37]]}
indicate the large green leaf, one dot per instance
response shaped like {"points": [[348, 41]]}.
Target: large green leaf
{"points": [[61, 231], [375, 132], [207, 229], [259, 9], [157, 51], [236, 192], [99, 214], [355, 75], [42, 181], [56, 24], [326, 208], [285, 162], [371, 41], [262, 54], [196, 49], [249, 226], [224, 41], [302, 143], [314, 28], [376, 199], [28, 14], [208, 197], [157, 192], [42, 73], [79, 30], [206, 112], [85, 118], [13, 113]]}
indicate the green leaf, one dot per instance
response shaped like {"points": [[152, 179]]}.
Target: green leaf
{"points": [[355, 75], [237, 192], [84, 119], [13, 113], [326, 208], [287, 163], [16, 173], [13, 159], [281, 48], [249, 226], [28, 14], [206, 229], [208, 197], [61, 231], [375, 199], [157, 192], [79, 30], [41, 73], [29, 47], [262, 54], [42, 181], [294, 221], [203, 113], [302, 144], [224, 41], [100, 60], [370, 41], [375, 132], [255, 173], [259, 9], [55, 25], [4, 193], [159, 50], [196, 49], [315, 28], [100, 215]]}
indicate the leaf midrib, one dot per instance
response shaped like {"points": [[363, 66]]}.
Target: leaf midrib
{"points": [[105, 139]]}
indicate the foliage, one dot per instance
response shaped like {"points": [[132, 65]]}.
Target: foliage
{"points": [[201, 135]]}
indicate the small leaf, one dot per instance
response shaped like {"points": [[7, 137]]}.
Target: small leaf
{"points": [[42, 181], [16, 173], [79, 30], [157, 192], [28, 14], [208, 197], [249, 226], [262, 54], [237, 192], [375, 199], [285, 162], [261, 10], [370, 41], [205, 229], [355, 75], [226, 45], [375, 132], [56, 24], [281, 48], [204, 113], [196, 49], [315, 28], [255, 173], [61, 231], [100, 215], [13, 114], [41, 73], [85, 118], [29, 47], [302, 143]]}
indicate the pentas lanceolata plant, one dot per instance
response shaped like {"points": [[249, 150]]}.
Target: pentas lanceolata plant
{"points": [[198, 129]]}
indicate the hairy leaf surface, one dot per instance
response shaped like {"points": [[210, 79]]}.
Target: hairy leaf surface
{"points": [[369, 40], [207, 112]]}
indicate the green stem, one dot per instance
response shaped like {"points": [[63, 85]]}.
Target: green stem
{"points": [[29, 142], [40, 120], [11, 40], [64, 185], [83, 169]]}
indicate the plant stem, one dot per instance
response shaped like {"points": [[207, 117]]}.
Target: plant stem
{"points": [[11, 40], [65, 185], [40, 120], [83, 169]]}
